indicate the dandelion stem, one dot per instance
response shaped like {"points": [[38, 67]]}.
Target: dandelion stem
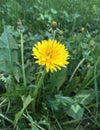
{"points": [[53, 34], [22, 58], [35, 91]]}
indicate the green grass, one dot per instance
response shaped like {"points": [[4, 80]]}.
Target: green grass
{"points": [[68, 99]]}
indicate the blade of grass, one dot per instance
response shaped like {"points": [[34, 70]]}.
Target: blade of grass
{"points": [[7, 119], [93, 116], [3, 101], [79, 64], [96, 86], [29, 118]]}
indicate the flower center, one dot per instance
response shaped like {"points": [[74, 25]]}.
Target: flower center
{"points": [[48, 54]]}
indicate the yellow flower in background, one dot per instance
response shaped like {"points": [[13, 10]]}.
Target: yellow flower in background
{"points": [[51, 54], [82, 29]]}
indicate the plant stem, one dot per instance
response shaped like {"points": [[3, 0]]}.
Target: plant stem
{"points": [[6, 118], [53, 34], [22, 58], [35, 91]]}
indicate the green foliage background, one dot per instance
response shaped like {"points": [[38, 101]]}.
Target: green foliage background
{"points": [[70, 98]]}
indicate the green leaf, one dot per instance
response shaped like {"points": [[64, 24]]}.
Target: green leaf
{"points": [[26, 102], [64, 100], [17, 117], [53, 11], [17, 92], [72, 85], [57, 78], [8, 54], [75, 111], [85, 96], [87, 77]]}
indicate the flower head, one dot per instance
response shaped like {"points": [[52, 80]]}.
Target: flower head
{"points": [[60, 32], [51, 54], [54, 24]]}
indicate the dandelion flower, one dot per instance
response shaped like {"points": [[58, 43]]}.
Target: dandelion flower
{"points": [[60, 32], [54, 24], [51, 54]]}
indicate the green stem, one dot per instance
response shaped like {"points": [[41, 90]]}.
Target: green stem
{"points": [[53, 34], [6, 118], [35, 91], [22, 58]]}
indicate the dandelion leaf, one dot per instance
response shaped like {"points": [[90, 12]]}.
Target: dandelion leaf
{"points": [[8, 54], [27, 100], [57, 78]]}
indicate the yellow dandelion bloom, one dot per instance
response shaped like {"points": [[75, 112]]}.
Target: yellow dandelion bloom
{"points": [[51, 54]]}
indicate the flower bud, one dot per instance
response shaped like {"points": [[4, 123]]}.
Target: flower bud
{"points": [[19, 22], [54, 24], [60, 32]]}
